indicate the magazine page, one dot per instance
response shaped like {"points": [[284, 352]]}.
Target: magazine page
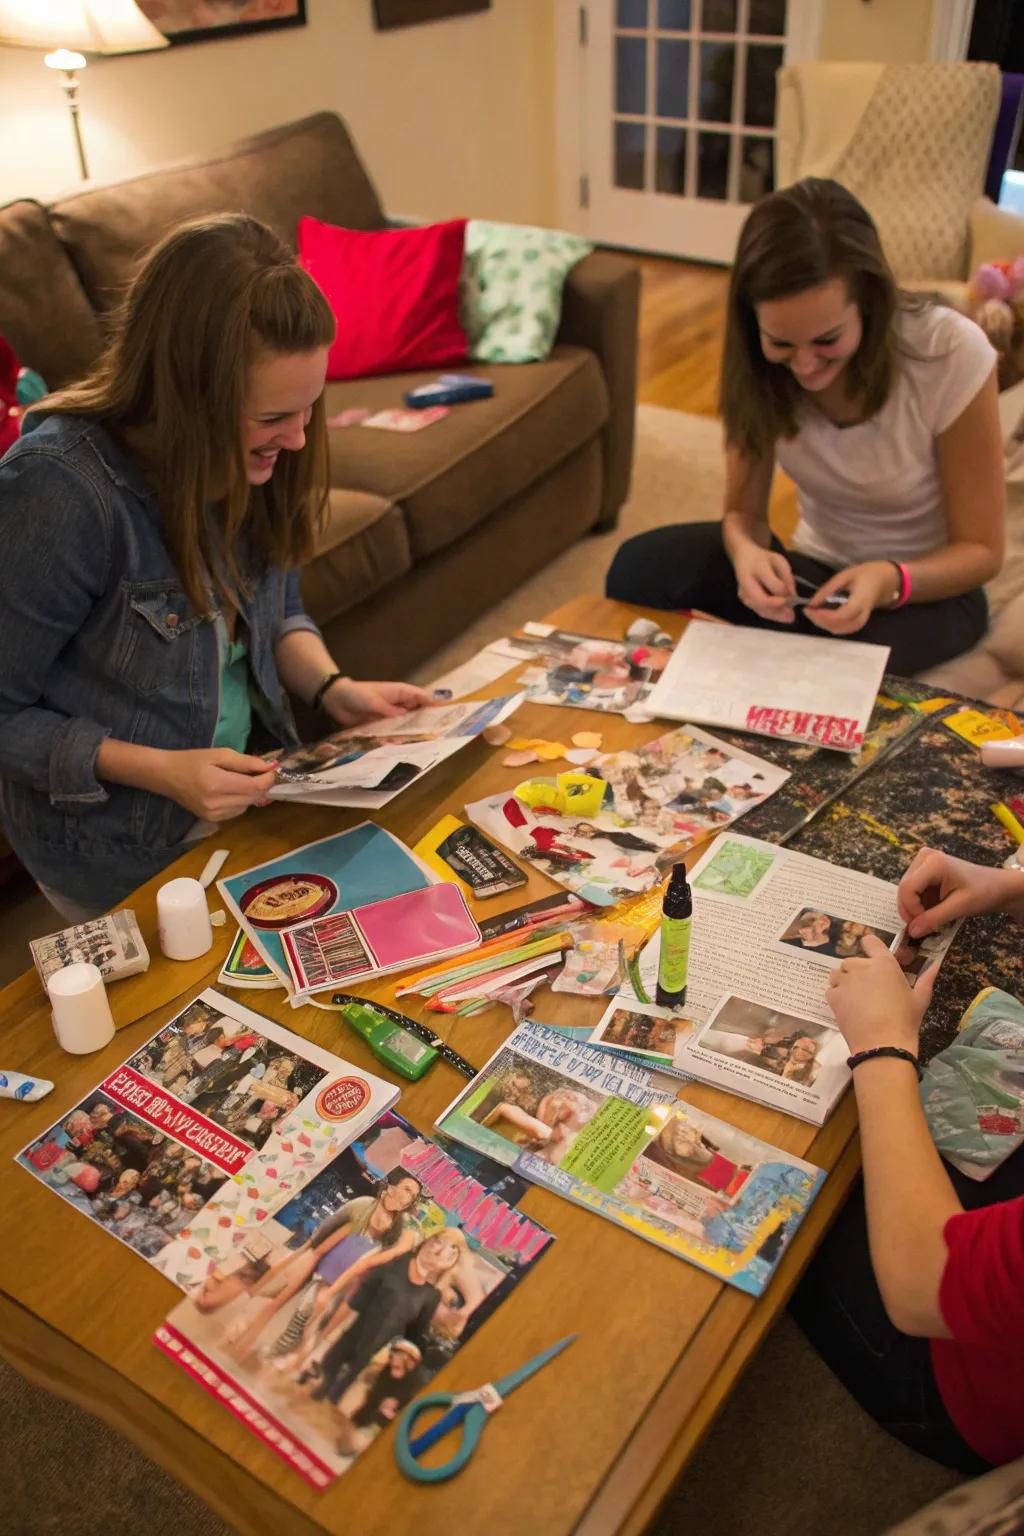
{"points": [[605, 1135], [384, 756], [613, 830], [768, 926], [335, 874], [798, 687], [114, 944], [245, 967], [584, 671], [411, 929], [331, 1316], [221, 1111]]}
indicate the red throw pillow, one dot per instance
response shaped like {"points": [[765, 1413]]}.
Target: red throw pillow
{"points": [[394, 293]]}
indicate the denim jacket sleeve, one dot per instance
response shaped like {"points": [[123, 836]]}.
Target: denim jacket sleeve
{"points": [[295, 615], [56, 541]]}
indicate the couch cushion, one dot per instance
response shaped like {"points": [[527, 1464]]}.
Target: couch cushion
{"points": [[363, 548], [44, 313], [305, 167], [452, 475]]}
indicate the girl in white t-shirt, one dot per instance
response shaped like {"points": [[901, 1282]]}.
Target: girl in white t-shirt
{"points": [[881, 406]]}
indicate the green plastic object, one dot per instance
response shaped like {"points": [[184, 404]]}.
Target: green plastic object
{"points": [[30, 387], [391, 1044]]}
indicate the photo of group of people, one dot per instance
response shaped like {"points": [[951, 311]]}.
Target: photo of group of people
{"points": [[658, 801], [772, 1041], [588, 672], [641, 1029], [334, 1313], [112, 943], [137, 1183], [827, 937], [227, 1071]]}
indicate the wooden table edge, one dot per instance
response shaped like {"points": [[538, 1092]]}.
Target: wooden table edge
{"points": [[669, 1434]]}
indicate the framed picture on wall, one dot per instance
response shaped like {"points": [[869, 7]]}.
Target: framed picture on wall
{"points": [[407, 13], [200, 21]]}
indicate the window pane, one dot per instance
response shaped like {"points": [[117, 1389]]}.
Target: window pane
{"points": [[629, 155], [713, 164], [631, 13], [717, 65], [763, 59], [718, 16], [757, 169], [674, 15], [631, 75], [670, 161], [673, 78], [768, 17]]}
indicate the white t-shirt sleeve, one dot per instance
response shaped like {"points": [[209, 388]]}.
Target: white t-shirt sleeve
{"points": [[961, 357]]}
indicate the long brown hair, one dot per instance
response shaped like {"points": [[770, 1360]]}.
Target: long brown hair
{"points": [[209, 298], [795, 239]]}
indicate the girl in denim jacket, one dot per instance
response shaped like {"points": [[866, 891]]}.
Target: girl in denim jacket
{"points": [[153, 519]]}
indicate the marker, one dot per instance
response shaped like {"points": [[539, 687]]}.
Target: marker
{"points": [[1005, 815]]}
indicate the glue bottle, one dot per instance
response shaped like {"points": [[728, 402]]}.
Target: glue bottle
{"points": [[674, 956]]}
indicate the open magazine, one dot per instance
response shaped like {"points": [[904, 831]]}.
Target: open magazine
{"points": [[330, 1316], [797, 687], [604, 1134], [614, 829], [768, 926], [368, 765], [320, 881], [220, 1112]]}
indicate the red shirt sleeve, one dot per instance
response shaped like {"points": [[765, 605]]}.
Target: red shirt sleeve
{"points": [[981, 1294]]}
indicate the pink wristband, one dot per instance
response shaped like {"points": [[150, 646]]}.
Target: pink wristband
{"points": [[906, 584]]}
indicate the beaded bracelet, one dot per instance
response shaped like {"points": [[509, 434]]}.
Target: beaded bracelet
{"points": [[886, 1050]]}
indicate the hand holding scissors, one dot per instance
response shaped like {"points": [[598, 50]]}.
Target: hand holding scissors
{"points": [[470, 1410]]}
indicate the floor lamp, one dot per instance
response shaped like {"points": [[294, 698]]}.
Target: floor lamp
{"points": [[70, 29]]}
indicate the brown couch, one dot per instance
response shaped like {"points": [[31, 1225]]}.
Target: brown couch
{"points": [[427, 529]]}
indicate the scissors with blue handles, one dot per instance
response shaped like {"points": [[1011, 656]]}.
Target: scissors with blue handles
{"points": [[466, 1410]]}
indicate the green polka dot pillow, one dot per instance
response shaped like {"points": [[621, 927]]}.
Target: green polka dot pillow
{"points": [[510, 293]]}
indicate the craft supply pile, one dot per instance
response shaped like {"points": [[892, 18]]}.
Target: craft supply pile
{"points": [[332, 1256]]}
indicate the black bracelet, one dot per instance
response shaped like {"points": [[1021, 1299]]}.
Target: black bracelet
{"points": [[329, 681], [886, 1050]]}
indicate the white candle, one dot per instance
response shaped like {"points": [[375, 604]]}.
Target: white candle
{"points": [[184, 919], [82, 1020]]}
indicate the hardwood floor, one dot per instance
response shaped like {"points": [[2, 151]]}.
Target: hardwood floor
{"points": [[682, 310]]}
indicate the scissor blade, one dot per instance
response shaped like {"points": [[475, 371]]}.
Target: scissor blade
{"points": [[516, 1378]]}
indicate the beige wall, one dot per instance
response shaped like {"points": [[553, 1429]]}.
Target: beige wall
{"points": [[883, 31], [453, 117]]}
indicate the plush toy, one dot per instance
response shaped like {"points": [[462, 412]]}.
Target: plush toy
{"points": [[18, 387], [996, 294]]}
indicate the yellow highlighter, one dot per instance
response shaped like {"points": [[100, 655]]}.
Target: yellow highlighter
{"points": [[1005, 815]]}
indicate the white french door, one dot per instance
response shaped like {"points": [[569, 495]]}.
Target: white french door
{"points": [[676, 102]]}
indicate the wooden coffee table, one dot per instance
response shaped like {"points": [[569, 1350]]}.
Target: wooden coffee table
{"points": [[590, 1446]]}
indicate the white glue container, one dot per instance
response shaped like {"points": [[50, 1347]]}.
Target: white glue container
{"points": [[82, 1020], [184, 919]]}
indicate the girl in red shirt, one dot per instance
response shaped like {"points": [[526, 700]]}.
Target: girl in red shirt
{"points": [[916, 1299]]}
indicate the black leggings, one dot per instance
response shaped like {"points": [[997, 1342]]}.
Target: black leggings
{"points": [[838, 1306], [686, 566]]}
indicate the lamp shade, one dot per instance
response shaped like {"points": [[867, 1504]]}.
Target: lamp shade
{"points": [[90, 26]]}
